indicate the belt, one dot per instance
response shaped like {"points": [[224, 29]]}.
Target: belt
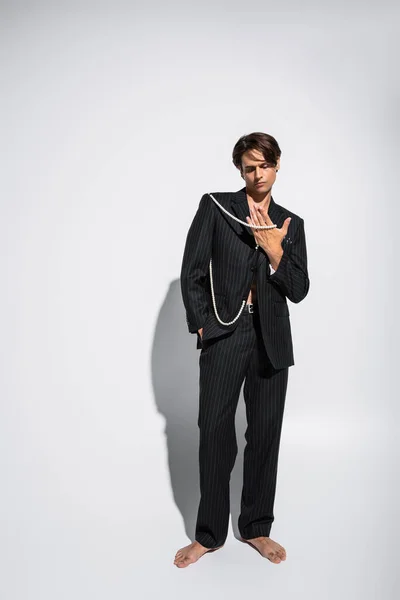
{"points": [[249, 309]]}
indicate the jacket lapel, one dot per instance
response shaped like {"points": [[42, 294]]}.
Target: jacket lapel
{"points": [[236, 204], [277, 217], [240, 208]]}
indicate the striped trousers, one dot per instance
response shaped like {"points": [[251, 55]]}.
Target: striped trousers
{"points": [[224, 364]]}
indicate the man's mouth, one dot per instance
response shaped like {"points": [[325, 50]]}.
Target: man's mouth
{"points": [[260, 183]]}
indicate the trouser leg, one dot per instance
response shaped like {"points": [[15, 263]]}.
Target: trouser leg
{"points": [[222, 369], [264, 395]]}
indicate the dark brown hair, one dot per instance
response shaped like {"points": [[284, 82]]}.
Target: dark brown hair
{"points": [[263, 142]]}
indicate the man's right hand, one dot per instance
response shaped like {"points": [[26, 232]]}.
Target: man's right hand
{"points": [[201, 333]]}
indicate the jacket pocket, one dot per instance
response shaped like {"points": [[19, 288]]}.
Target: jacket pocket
{"points": [[281, 309]]}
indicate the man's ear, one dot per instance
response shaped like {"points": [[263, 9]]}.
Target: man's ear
{"points": [[278, 164]]}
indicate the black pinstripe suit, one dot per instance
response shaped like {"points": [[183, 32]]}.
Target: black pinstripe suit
{"points": [[256, 349]]}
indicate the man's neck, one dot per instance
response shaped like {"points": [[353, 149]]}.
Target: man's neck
{"points": [[260, 200]]}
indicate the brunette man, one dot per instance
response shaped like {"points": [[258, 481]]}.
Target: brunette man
{"points": [[237, 307]]}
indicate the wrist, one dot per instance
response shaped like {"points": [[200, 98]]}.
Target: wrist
{"points": [[275, 258]]}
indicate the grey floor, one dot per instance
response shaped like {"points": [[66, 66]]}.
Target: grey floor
{"points": [[335, 514]]}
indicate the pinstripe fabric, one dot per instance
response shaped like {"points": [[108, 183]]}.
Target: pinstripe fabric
{"points": [[235, 263], [256, 349], [224, 364]]}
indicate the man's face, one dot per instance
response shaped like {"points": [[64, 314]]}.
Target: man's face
{"points": [[257, 173]]}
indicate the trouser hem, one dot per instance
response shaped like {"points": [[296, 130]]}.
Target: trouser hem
{"points": [[207, 543], [255, 533]]}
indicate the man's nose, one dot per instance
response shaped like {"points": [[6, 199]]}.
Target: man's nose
{"points": [[258, 172]]}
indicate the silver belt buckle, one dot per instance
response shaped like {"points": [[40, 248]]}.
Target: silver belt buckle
{"points": [[250, 308]]}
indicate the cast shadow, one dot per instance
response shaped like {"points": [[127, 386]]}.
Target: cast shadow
{"points": [[175, 377]]}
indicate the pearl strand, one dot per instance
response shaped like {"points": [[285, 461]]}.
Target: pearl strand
{"points": [[215, 304], [211, 276], [239, 220]]}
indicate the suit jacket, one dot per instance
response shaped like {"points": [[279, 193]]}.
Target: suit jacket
{"points": [[235, 262]]}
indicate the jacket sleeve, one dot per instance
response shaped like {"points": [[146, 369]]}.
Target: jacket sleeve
{"points": [[291, 276], [195, 264]]}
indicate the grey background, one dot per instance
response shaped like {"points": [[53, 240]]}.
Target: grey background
{"points": [[115, 119]]}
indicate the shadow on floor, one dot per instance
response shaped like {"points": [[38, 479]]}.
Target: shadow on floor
{"points": [[175, 377]]}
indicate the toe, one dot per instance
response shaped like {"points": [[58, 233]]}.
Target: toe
{"points": [[180, 563], [276, 559]]}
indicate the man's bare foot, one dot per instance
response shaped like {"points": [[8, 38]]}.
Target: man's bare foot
{"points": [[268, 548], [190, 554]]}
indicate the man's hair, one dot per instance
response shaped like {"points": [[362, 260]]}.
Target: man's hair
{"points": [[263, 142]]}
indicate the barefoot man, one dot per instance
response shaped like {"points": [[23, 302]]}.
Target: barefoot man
{"points": [[245, 255]]}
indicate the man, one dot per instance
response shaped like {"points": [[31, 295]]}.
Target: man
{"points": [[237, 307]]}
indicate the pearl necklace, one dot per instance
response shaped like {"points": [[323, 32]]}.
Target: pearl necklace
{"points": [[211, 277]]}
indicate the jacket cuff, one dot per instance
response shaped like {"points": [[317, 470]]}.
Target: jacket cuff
{"points": [[278, 274], [193, 328]]}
